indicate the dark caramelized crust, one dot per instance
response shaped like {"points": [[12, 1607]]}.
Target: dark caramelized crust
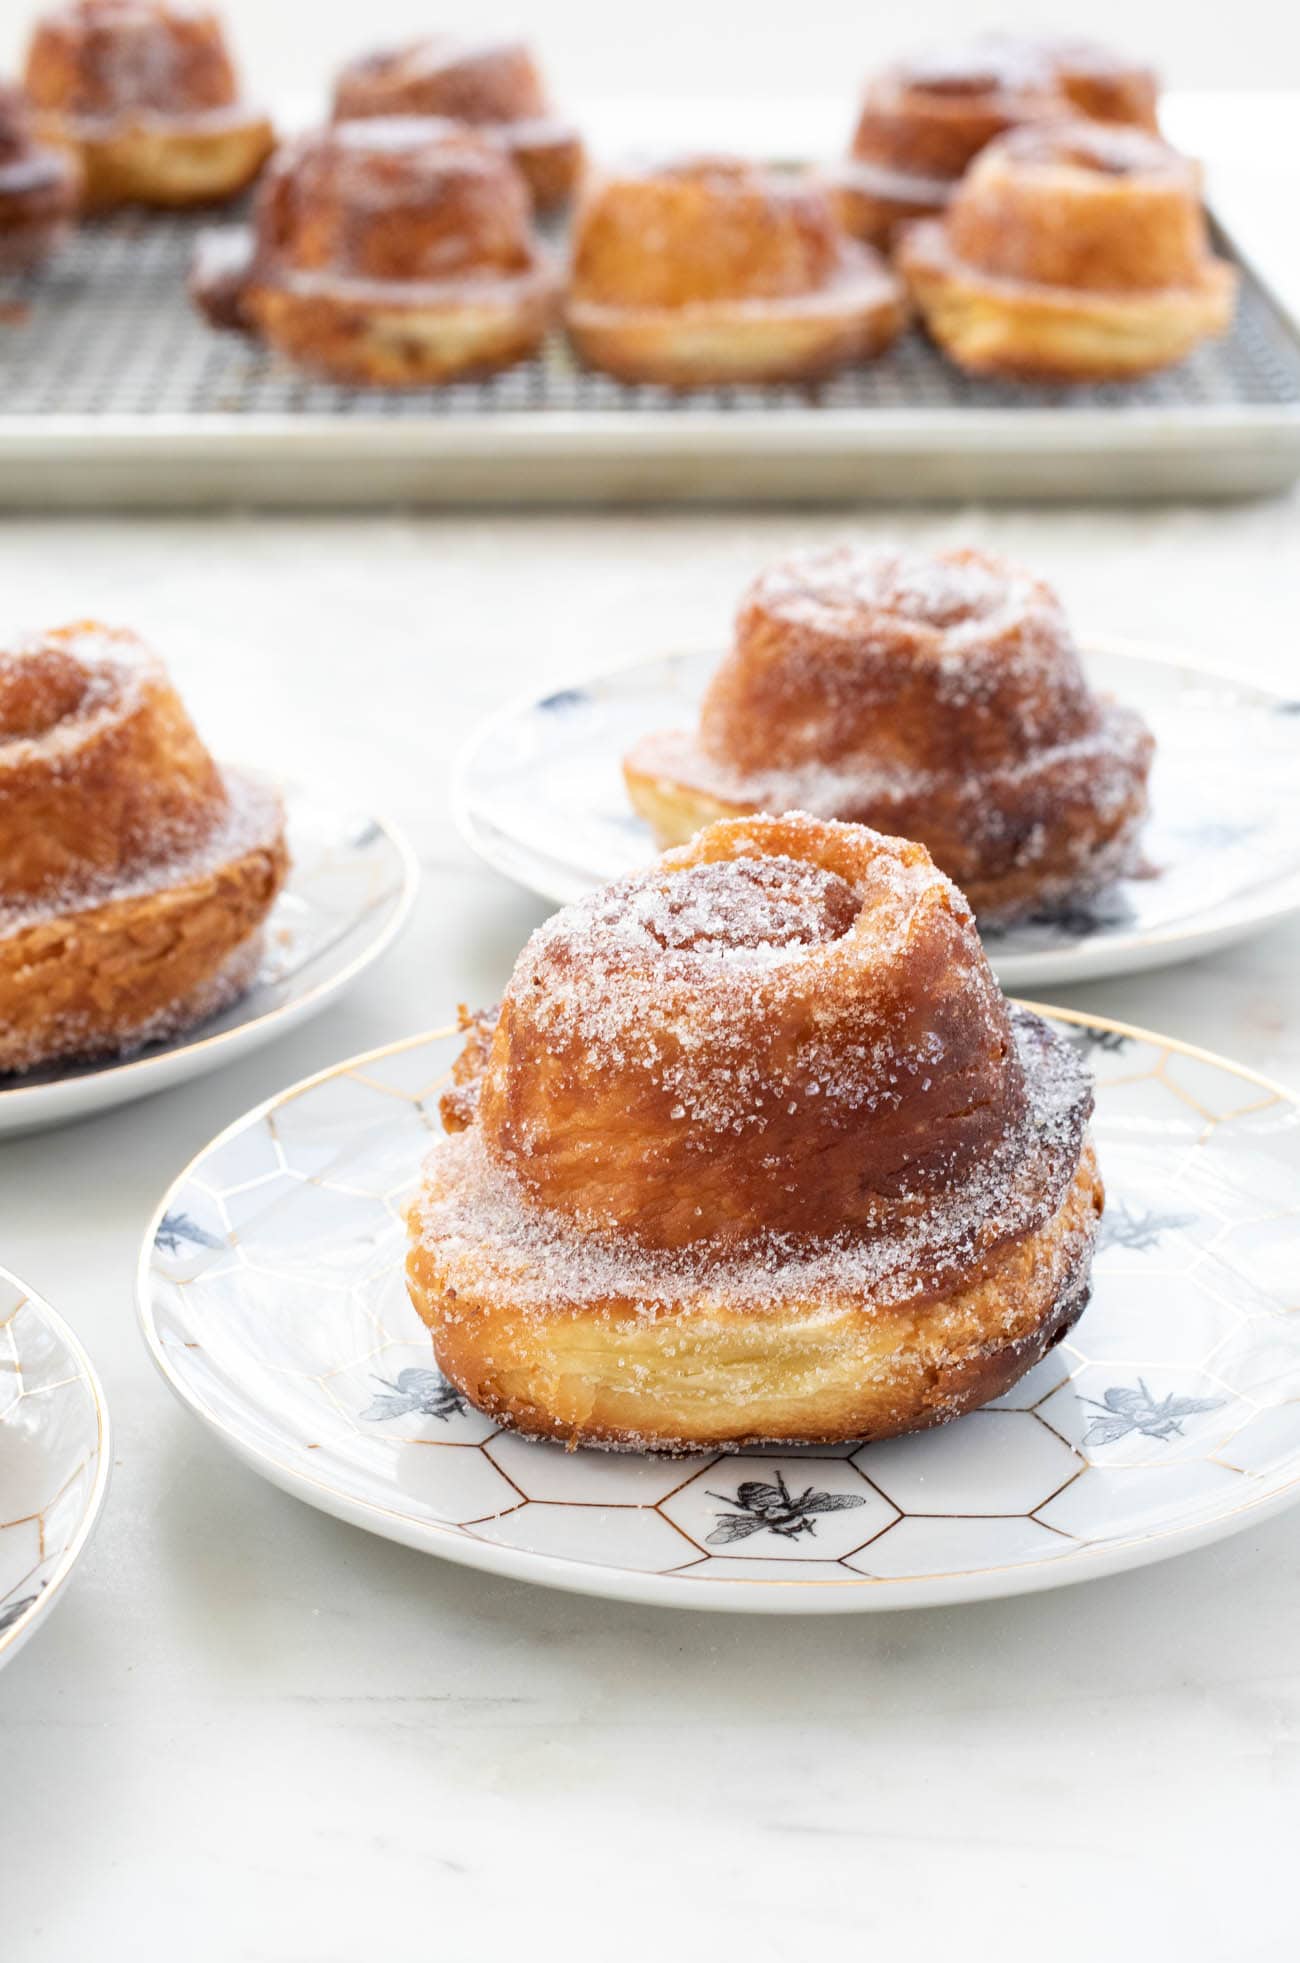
{"points": [[1071, 251], [714, 269], [135, 875], [923, 122], [493, 85], [398, 251], [755, 1150], [941, 698], [147, 97], [39, 189]]}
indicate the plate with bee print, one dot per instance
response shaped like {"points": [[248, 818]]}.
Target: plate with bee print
{"points": [[538, 792], [351, 886], [54, 1459], [271, 1296]]}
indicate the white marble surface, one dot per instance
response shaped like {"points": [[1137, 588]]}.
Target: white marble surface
{"points": [[253, 1735]]}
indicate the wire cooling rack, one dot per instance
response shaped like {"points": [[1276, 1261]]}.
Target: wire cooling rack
{"points": [[112, 388]]}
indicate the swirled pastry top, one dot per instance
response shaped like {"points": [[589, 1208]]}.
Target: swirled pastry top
{"points": [[1080, 205], [99, 61], [705, 229], [406, 199], [787, 1026], [103, 779], [480, 81]]}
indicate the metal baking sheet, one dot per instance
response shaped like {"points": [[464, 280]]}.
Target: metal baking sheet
{"points": [[113, 391]]}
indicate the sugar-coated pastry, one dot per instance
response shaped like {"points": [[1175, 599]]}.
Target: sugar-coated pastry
{"points": [[145, 96], [397, 251], [1072, 252], [714, 270], [938, 696], [39, 188], [923, 121], [135, 874], [754, 1150], [493, 84]]}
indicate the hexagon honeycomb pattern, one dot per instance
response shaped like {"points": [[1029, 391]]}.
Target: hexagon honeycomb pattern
{"points": [[276, 1305]]}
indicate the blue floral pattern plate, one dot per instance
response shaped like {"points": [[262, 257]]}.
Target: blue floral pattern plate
{"points": [[54, 1459], [539, 794], [272, 1299], [350, 890]]}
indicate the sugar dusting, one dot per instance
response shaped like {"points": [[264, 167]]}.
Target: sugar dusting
{"points": [[487, 1236]]}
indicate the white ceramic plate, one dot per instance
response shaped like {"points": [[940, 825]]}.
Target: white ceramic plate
{"points": [[54, 1459], [539, 794], [271, 1296], [350, 891]]}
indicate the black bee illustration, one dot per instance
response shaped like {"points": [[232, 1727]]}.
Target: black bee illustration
{"points": [[1122, 1411], [1109, 1042], [15, 1611], [178, 1230], [776, 1510], [562, 701], [415, 1390], [1121, 1227]]}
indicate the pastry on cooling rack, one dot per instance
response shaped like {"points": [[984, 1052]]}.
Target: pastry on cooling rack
{"points": [[135, 874], [713, 270], [1072, 252], [39, 189], [398, 251], [754, 1150], [938, 696], [146, 98], [923, 121], [493, 84]]}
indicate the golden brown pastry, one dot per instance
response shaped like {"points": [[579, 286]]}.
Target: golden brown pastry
{"points": [[714, 270], [493, 84], [145, 96], [754, 1150], [1071, 253], [397, 252], [938, 696], [135, 875], [39, 189], [925, 120]]}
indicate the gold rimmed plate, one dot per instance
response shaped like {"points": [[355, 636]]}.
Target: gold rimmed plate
{"points": [[351, 886], [271, 1296], [54, 1459]]}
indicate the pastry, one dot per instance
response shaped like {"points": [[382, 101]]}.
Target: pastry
{"points": [[939, 696], [494, 85], [754, 1150], [714, 270], [1072, 252], [398, 252], [925, 120], [39, 189], [146, 98], [135, 875]]}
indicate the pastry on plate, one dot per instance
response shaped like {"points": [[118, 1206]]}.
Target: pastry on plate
{"points": [[1072, 252], [714, 270], [146, 98], [923, 121], [939, 696], [135, 874], [492, 83], [39, 188], [398, 252], [755, 1150]]}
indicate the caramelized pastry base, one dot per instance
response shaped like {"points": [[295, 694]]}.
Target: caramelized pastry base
{"points": [[705, 344], [106, 977], [388, 336], [1051, 832], [161, 160], [721, 1370], [1003, 327], [548, 153], [873, 203], [38, 201]]}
